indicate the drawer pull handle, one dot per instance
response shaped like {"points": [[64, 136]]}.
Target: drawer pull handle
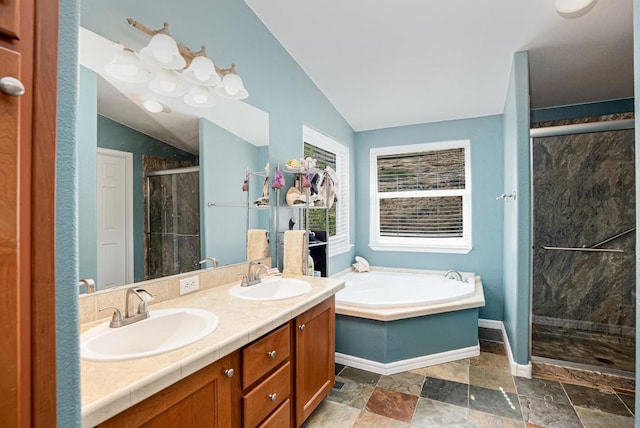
{"points": [[229, 372], [11, 86], [272, 354], [273, 397], [302, 327]]}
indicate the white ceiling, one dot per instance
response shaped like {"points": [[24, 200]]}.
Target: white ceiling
{"points": [[385, 63]]}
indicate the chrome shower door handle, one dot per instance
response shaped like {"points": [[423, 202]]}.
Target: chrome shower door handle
{"points": [[11, 86]]}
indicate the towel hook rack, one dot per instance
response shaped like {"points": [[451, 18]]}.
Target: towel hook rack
{"points": [[505, 197]]}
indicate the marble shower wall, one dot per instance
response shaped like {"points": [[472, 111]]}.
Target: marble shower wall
{"points": [[173, 239], [584, 193]]}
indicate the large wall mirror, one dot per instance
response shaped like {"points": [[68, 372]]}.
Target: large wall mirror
{"points": [[159, 192]]}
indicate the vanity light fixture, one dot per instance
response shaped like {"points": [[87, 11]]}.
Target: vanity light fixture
{"points": [[126, 66], [176, 70], [574, 8], [200, 96]]}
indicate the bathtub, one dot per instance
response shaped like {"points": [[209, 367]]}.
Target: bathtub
{"points": [[388, 289], [393, 320]]}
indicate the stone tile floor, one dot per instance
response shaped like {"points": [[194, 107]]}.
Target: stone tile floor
{"points": [[475, 392]]}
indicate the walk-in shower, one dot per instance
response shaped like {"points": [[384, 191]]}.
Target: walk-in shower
{"points": [[172, 221], [583, 257]]}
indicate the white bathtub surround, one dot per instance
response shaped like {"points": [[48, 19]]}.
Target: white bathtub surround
{"points": [[387, 333], [520, 370], [409, 364], [473, 298], [372, 289]]}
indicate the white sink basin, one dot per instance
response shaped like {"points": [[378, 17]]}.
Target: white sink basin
{"points": [[272, 289], [164, 330]]}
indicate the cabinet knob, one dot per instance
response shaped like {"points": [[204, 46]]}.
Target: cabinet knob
{"points": [[11, 86], [229, 372], [302, 327], [272, 354], [272, 397]]}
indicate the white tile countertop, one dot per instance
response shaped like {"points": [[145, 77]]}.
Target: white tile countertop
{"points": [[108, 388]]}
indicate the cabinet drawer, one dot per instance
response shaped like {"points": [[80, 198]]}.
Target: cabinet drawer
{"points": [[280, 418], [261, 357], [267, 396]]}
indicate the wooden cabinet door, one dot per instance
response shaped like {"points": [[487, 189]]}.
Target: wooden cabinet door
{"points": [[202, 400], [315, 358], [10, 18]]}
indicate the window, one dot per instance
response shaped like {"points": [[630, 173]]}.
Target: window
{"points": [[329, 152], [421, 198]]}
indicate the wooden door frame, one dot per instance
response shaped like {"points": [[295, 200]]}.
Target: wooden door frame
{"points": [[36, 40], [43, 209]]}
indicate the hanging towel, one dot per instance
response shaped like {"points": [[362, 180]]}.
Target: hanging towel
{"points": [[295, 252], [257, 244]]}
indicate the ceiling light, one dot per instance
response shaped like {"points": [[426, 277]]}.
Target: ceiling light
{"points": [[126, 66], [571, 7], [232, 87], [152, 105], [200, 96]]}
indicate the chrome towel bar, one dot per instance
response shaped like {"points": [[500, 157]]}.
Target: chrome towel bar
{"points": [[593, 250]]}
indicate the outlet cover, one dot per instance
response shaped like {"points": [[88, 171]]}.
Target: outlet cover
{"points": [[187, 285]]}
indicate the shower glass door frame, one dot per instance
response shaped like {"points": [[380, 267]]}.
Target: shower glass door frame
{"points": [[554, 131]]}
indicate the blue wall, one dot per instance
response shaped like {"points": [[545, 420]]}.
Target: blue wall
{"points": [[574, 111], [225, 159], [517, 221], [88, 136], [485, 259], [67, 331], [233, 34]]}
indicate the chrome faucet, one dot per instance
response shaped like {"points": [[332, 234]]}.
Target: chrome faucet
{"points": [[253, 275], [213, 260], [454, 274], [90, 283], [131, 314]]}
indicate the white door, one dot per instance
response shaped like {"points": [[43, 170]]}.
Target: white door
{"points": [[114, 218]]}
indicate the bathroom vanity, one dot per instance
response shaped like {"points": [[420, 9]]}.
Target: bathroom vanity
{"points": [[268, 364]]}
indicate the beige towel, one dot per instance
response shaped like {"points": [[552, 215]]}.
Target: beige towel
{"points": [[257, 244], [295, 252]]}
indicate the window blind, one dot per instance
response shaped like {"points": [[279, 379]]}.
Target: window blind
{"points": [[426, 212]]}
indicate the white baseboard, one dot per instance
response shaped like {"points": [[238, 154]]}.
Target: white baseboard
{"points": [[519, 370], [409, 364]]}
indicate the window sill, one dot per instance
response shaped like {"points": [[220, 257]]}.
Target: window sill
{"points": [[420, 248]]}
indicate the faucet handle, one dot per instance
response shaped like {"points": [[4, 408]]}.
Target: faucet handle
{"points": [[116, 319], [245, 280]]}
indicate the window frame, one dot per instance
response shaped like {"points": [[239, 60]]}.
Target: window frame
{"points": [[341, 241], [460, 245]]}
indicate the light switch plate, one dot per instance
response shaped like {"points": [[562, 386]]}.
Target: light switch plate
{"points": [[187, 285]]}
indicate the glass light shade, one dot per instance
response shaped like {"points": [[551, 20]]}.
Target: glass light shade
{"points": [[126, 66], [200, 96], [152, 105], [232, 87], [201, 71], [162, 51], [568, 7], [167, 82]]}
